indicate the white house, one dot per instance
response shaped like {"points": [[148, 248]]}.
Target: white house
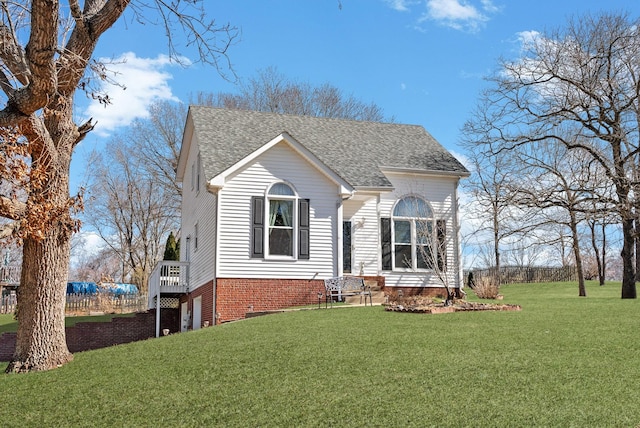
{"points": [[273, 204]]}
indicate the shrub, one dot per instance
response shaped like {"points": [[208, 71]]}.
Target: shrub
{"points": [[487, 288]]}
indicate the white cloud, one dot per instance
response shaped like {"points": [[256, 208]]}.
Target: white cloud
{"points": [[463, 158], [459, 14], [140, 82], [403, 86], [452, 10], [85, 245], [399, 5], [528, 38], [489, 7]]}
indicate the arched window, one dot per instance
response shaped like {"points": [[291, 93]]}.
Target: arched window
{"points": [[281, 215], [280, 224], [413, 237]]}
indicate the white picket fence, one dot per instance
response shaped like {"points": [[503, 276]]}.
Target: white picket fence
{"points": [[86, 303], [8, 303]]}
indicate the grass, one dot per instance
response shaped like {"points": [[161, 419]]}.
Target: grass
{"points": [[561, 361], [9, 324]]}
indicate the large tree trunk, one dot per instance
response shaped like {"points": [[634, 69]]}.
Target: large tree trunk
{"points": [[41, 342], [42, 345], [628, 260], [637, 245], [496, 246]]}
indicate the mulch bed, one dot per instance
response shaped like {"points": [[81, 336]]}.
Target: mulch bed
{"points": [[429, 307]]}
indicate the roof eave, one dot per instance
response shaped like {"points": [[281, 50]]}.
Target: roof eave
{"points": [[431, 172], [187, 137]]}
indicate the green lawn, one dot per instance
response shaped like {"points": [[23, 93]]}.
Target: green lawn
{"points": [[561, 361]]}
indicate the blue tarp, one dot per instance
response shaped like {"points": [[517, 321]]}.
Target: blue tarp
{"points": [[116, 288], [82, 288]]}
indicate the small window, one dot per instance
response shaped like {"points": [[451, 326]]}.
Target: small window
{"points": [[193, 176], [198, 168], [195, 237]]}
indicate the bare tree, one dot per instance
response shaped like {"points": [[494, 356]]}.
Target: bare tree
{"points": [[156, 143], [584, 78], [135, 198], [598, 245], [272, 91], [46, 55], [558, 183], [131, 211], [490, 207], [94, 267]]}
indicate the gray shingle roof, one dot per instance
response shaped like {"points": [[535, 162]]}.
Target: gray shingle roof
{"points": [[354, 150]]}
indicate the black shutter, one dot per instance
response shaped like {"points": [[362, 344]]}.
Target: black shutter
{"points": [[385, 234], [303, 229], [346, 246], [257, 227], [441, 231]]}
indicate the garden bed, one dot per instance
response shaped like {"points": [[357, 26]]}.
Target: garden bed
{"points": [[423, 305]]}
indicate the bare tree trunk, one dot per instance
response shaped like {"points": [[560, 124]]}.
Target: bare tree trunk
{"points": [[42, 345], [628, 261], [603, 272], [637, 246], [582, 290], [496, 248], [596, 250]]}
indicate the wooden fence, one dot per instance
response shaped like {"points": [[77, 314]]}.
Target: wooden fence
{"points": [[87, 303], [8, 303], [525, 274], [105, 302]]}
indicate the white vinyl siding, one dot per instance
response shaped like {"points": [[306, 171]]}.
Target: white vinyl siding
{"points": [[362, 211], [198, 208], [279, 164]]}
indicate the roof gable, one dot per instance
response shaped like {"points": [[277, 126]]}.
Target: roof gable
{"points": [[220, 179], [354, 151]]}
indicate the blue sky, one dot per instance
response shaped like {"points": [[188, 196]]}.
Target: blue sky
{"points": [[422, 61]]}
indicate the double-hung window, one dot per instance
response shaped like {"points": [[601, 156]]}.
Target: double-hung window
{"points": [[280, 224], [413, 241]]}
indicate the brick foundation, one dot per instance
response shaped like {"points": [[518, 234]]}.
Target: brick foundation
{"points": [[206, 291], [237, 296]]}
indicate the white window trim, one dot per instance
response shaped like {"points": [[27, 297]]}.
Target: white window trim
{"points": [[414, 237], [294, 217]]}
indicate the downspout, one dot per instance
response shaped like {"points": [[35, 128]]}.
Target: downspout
{"points": [[158, 311], [379, 237], [340, 239], [215, 191]]}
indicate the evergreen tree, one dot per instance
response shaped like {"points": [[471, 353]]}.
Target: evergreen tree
{"points": [[171, 248]]}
